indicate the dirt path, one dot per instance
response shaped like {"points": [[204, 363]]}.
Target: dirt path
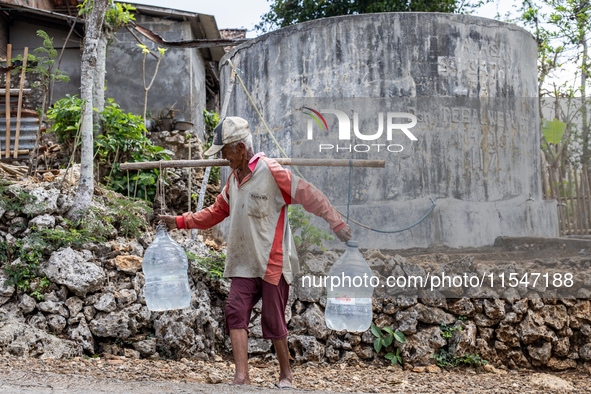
{"points": [[188, 376], [48, 382]]}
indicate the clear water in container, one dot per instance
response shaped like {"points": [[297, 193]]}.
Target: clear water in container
{"points": [[165, 266], [348, 307]]}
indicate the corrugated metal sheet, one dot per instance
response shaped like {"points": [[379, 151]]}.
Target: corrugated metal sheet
{"points": [[27, 135]]}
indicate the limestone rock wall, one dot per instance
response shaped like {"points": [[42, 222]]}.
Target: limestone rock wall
{"points": [[96, 305]]}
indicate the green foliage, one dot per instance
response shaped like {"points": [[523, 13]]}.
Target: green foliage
{"points": [[65, 119], [43, 64], [129, 215], [123, 140], [117, 15], [165, 353], [385, 339], [23, 270], [214, 264], [74, 234], [145, 51], [4, 252], [555, 140], [473, 359], [394, 358], [211, 121], [42, 287], [448, 330], [562, 31], [446, 359], [309, 235], [23, 257], [286, 13], [14, 199], [553, 130]]}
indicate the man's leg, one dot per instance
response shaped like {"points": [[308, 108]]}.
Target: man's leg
{"points": [[244, 294], [274, 326], [239, 338], [285, 376]]}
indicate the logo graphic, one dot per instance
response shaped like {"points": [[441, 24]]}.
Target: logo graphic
{"points": [[344, 129], [316, 119]]}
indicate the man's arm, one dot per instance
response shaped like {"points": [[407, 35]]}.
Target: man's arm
{"points": [[203, 219], [298, 191], [314, 201]]}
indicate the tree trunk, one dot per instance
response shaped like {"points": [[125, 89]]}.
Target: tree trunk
{"points": [[98, 91], [89, 62], [584, 121]]}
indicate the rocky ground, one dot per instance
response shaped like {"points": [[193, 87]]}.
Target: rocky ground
{"points": [[117, 374]]}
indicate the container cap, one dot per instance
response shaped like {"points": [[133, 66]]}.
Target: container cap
{"points": [[353, 244]]}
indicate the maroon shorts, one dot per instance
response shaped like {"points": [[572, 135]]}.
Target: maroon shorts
{"points": [[245, 293]]}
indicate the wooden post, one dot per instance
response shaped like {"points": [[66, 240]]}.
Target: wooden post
{"points": [[567, 225], [556, 196], [583, 202], [20, 103], [544, 183], [588, 180], [8, 56], [580, 207], [573, 208], [586, 201]]}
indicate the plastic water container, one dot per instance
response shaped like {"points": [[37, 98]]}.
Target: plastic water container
{"points": [[348, 305], [165, 266]]}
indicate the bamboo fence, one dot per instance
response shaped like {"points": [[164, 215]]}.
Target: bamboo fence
{"points": [[571, 187]]}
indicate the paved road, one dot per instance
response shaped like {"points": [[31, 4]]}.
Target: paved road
{"points": [[47, 382]]}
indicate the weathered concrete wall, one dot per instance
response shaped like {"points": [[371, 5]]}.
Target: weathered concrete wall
{"points": [[23, 34], [180, 81], [471, 84]]}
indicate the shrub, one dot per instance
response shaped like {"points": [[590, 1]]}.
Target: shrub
{"points": [[214, 264], [123, 140], [308, 235], [385, 340]]}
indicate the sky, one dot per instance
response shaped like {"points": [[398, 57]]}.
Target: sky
{"points": [[246, 14], [228, 13]]}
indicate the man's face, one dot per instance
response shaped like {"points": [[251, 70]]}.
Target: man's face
{"points": [[234, 156]]}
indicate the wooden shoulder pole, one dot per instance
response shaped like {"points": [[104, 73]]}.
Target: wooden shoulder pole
{"points": [[284, 162]]}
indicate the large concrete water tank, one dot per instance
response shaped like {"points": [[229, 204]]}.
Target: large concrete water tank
{"points": [[469, 82]]}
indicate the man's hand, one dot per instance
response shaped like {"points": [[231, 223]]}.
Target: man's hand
{"points": [[344, 234], [169, 221]]}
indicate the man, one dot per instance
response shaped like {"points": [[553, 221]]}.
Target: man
{"points": [[261, 257]]}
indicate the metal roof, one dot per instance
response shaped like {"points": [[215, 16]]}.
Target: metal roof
{"points": [[203, 25], [28, 132]]}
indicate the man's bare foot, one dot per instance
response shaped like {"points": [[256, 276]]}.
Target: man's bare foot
{"points": [[284, 383], [241, 382]]}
